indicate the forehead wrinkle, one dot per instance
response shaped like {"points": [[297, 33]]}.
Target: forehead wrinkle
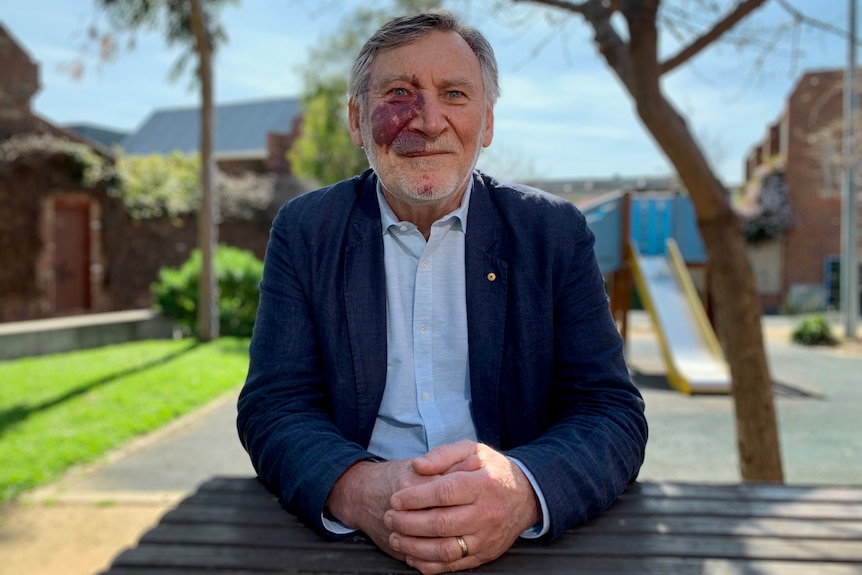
{"points": [[394, 78], [464, 83], [414, 79]]}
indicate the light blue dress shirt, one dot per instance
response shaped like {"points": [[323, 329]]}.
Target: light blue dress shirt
{"points": [[426, 401]]}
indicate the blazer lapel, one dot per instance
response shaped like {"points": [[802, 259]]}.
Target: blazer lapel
{"points": [[487, 281], [365, 305]]}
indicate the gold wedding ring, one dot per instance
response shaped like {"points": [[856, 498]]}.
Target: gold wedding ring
{"points": [[463, 545]]}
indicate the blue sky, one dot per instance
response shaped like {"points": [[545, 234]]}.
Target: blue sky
{"points": [[562, 113]]}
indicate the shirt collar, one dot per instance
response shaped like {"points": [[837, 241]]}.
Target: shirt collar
{"points": [[388, 217]]}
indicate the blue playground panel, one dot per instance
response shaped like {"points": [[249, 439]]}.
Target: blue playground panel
{"points": [[652, 219], [604, 218]]}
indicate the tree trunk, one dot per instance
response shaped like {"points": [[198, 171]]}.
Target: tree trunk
{"points": [[207, 311], [737, 306], [737, 316]]}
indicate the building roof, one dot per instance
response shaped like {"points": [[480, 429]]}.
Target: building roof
{"points": [[241, 129], [107, 137], [580, 191]]}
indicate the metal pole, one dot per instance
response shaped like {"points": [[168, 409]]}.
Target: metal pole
{"points": [[849, 212]]}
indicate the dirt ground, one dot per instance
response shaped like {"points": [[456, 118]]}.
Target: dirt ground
{"points": [[70, 538]]}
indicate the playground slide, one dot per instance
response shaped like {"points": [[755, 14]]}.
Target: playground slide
{"points": [[695, 362]]}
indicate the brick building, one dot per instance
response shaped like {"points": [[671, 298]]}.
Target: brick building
{"points": [[51, 251], [805, 144], [67, 245]]}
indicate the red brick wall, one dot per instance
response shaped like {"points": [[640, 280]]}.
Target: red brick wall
{"points": [[815, 104], [141, 248], [814, 107], [19, 78], [128, 254], [20, 81], [125, 255], [773, 142]]}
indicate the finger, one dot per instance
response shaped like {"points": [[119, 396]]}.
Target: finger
{"points": [[434, 567], [444, 550], [443, 491], [443, 457], [472, 463], [438, 522]]}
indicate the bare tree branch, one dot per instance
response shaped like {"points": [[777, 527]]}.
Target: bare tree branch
{"points": [[808, 20], [741, 11], [562, 4], [736, 301], [598, 14]]}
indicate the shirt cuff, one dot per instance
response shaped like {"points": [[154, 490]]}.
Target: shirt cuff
{"points": [[335, 526], [544, 524]]}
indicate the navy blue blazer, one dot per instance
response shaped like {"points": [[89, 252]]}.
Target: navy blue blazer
{"points": [[548, 380]]}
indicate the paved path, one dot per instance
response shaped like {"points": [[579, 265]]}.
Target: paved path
{"points": [[818, 399], [95, 513]]}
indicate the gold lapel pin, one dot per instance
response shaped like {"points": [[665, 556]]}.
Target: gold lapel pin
{"points": [[491, 276]]}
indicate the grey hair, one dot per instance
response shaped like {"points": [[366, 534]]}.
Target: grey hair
{"points": [[406, 29]]}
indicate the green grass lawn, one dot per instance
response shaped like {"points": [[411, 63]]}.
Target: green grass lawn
{"points": [[61, 410]]}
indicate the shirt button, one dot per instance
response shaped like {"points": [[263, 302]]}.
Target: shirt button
{"points": [[425, 396], [422, 329], [403, 228], [425, 265]]}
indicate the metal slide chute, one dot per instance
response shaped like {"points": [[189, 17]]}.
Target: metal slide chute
{"points": [[694, 359]]}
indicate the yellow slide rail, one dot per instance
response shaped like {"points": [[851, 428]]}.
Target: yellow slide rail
{"points": [[678, 374], [694, 302], [674, 377]]}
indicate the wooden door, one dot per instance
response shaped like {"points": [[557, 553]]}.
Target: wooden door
{"points": [[71, 256]]}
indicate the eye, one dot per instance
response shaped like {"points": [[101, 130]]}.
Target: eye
{"points": [[454, 95], [398, 92]]}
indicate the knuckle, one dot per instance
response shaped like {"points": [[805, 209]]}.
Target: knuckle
{"points": [[446, 492], [449, 554], [402, 482], [440, 525]]}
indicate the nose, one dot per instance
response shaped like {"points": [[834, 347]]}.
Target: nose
{"points": [[431, 119]]}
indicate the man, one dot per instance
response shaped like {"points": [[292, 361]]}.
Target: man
{"points": [[434, 362]]}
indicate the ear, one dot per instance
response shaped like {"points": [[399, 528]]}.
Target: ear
{"points": [[353, 115], [489, 127]]}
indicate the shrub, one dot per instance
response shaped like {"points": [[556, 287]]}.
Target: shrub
{"points": [[814, 330], [239, 274]]}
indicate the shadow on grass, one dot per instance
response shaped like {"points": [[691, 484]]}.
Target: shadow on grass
{"points": [[233, 345], [16, 414]]}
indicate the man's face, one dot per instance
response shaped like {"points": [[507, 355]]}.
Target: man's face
{"points": [[425, 119]]}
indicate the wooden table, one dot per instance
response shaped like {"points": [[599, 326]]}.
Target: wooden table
{"points": [[232, 526]]}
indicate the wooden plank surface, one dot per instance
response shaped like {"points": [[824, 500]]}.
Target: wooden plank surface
{"points": [[234, 527], [750, 492]]}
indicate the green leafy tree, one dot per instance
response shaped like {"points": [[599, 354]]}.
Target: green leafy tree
{"points": [[159, 186], [324, 153]]}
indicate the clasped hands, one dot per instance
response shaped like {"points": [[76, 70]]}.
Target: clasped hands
{"points": [[415, 509]]}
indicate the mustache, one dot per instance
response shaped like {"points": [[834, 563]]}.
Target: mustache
{"points": [[407, 143]]}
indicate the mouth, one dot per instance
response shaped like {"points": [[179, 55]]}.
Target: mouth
{"points": [[413, 145], [423, 153]]}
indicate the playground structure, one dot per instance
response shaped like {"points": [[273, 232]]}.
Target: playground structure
{"points": [[648, 242]]}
